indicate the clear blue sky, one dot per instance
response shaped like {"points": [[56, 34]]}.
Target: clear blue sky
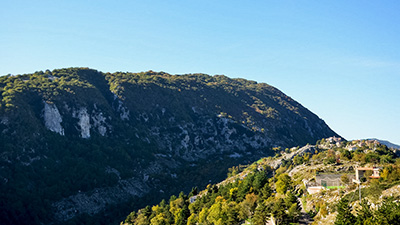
{"points": [[340, 59]]}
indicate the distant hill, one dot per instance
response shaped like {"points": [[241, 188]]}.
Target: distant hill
{"points": [[76, 142], [387, 143]]}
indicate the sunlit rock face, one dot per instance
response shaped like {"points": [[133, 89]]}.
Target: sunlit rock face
{"points": [[52, 118], [84, 122]]}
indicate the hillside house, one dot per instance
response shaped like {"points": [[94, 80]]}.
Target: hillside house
{"points": [[334, 139], [351, 148], [360, 171]]}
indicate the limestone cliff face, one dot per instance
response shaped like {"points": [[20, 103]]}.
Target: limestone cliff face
{"points": [[99, 121], [92, 140], [84, 122], [52, 118], [95, 121]]}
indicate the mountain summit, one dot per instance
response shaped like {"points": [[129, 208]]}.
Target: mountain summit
{"points": [[76, 141]]}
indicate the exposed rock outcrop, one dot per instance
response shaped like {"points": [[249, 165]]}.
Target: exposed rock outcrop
{"points": [[96, 200], [52, 118], [84, 122]]}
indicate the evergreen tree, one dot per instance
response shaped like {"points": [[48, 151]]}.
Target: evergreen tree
{"points": [[182, 216], [294, 212], [344, 217], [278, 211], [388, 212], [260, 179], [365, 213], [261, 215], [266, 192], [290, 199], [232, 212]]}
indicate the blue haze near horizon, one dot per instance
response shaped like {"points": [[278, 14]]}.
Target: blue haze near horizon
{"points": [[339, 59]]}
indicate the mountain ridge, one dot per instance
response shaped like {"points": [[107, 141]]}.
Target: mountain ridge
{"points": [[385, 142], [129, 135]]}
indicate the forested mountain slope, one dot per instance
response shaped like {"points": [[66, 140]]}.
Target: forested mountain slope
{"points": [[284, 190], [77, 141]]}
